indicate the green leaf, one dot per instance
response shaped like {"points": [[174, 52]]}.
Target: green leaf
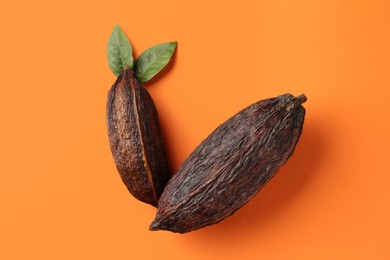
{"points": [[119, 51], [153, 60]]}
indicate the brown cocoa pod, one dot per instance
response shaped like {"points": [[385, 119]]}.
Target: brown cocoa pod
{"points": [[231, 165], [135, 138]]}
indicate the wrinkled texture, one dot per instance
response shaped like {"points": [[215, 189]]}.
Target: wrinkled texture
{"points": [[135, 138], [153, 60], [231, 165]]}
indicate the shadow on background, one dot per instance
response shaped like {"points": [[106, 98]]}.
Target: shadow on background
{"points": [[165, 127], [275, 196]]}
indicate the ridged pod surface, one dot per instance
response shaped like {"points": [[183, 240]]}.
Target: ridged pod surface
{"points": [[231, 165], [135, 138]]}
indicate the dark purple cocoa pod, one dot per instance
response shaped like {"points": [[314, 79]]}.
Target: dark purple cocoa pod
{"points": [[135, 138], [231, 165]]}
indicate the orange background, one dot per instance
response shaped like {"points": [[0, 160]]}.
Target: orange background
{"points": [[60, 194]]}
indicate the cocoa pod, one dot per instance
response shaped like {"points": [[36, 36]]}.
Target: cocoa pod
{"points": [[135, 138], [231, 165]]}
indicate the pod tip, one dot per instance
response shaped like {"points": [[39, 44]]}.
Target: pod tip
{"points": [[154, 226], [302, 98]]}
